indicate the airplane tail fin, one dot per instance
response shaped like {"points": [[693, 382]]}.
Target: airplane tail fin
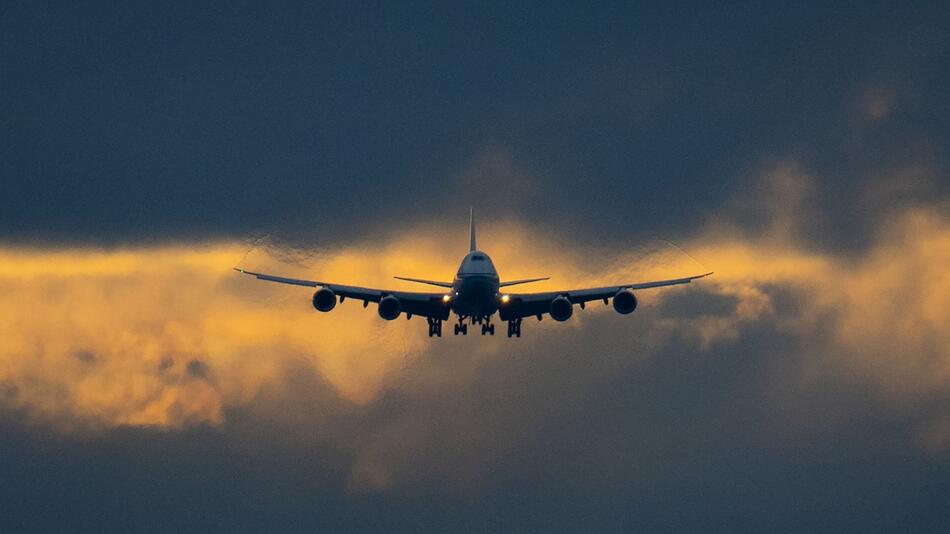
{"points": [[471, 230]]}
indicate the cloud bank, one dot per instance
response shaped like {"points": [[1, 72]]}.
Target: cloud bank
{"points": [[169, 337]]}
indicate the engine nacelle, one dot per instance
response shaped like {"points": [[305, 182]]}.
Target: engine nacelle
{"points": [[561, 309], [324, 299], [389, 307], [625, 301]]}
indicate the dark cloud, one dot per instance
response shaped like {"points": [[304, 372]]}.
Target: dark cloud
{"points": [[563, 434], [698, 302], [124, 124]]}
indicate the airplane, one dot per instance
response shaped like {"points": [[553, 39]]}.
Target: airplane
{"points": [[476, 294]]}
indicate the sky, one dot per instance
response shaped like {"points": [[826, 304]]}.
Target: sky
{"points": [[799, 151]]}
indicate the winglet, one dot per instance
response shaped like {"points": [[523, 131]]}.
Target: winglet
{"points": [[471, 229]]}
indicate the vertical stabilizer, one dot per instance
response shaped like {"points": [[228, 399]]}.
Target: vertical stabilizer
{"points": [[471, 229]]}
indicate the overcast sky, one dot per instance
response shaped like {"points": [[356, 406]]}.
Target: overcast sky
{"points": [[799, 151]]}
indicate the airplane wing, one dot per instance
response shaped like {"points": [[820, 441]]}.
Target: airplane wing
{"points": [[525, 281], [424, 304], [528, 304], [421, 281]]}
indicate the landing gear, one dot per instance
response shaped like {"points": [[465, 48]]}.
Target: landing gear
{"points": [[514, 327], [435, 327], [465, 320]]}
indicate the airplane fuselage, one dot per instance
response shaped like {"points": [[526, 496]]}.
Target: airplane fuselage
{"points": [[475, 287]]}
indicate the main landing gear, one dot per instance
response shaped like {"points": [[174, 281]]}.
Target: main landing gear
{"points": [[514, 327], [462, 326], [435, 327], [485, 321], [487, 327]]}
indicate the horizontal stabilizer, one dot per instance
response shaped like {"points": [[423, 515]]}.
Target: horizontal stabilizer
{"points": [[420, 281], [525, 281]]}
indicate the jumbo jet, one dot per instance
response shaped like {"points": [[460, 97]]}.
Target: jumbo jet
{"points": [[475, 296]]}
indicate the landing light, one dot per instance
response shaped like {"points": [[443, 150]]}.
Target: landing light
{"points": [[446, 298], [505, 299]]}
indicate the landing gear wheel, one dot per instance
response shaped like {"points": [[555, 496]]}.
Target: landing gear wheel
{"points": [[488, 329], [461, 329], [435, 327], [514, 328]]}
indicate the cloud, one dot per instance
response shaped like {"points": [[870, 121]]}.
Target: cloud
{"points": [[801, 157], [737, 379], [120, 336], [169, 336]]}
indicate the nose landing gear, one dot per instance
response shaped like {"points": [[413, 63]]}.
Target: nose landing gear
{"points": [[488, 329], [461, 328], [514, 327]]}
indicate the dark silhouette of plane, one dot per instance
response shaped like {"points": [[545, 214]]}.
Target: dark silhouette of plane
{"points": [[475, 295]]}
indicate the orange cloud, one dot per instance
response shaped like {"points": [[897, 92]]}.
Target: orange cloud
{"points": [[170, 336]]}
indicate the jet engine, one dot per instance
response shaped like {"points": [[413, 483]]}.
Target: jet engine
{"points": [[389, 307], [625, 301], [561, 309], [324, 299]]}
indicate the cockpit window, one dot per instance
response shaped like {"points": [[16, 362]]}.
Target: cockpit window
{"points": [[478, 258]]}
